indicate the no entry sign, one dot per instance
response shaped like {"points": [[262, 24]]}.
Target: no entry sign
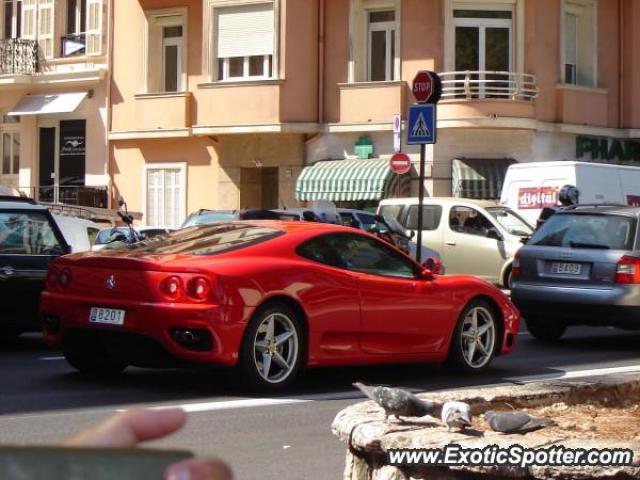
{"points": [[427, 87], [400, 163]]}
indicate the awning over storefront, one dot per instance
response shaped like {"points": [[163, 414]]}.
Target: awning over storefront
{"points": [[48, 103], [347, 180], [479, 178]]}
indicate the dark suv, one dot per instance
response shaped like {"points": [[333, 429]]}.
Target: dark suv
{"points": [[29, 240], [582, 267]]}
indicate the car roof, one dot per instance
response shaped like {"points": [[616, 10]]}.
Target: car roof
{"points": [[21, 203], [440, 201], [288, 226], [602, 209]]}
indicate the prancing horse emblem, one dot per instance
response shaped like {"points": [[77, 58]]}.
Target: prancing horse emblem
{"points": [[111, 281]]}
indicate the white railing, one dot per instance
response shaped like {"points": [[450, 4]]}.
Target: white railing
{"points": [[488, 84]]}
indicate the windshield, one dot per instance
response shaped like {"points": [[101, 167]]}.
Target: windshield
{"points": [[208, 217], [511, 221], [586, 231], [204, 240]]}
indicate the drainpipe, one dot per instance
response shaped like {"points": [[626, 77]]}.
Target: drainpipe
{"points": [[321, 62], [620, 64], [110, 166]]}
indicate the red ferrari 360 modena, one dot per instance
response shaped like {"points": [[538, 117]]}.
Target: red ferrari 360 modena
{"points": [[268, 298]]}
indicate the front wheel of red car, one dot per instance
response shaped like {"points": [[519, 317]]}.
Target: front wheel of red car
{"points": [[475, 339], [91, 358], [272, 353]]}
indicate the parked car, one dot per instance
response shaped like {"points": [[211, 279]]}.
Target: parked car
{"points": [[254, 295], [530, 187], [582, 267], [204, 216], [472, 236], [29, 240], [79, 233]]}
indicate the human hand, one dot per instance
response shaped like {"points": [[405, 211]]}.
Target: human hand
{"points": [[132, 427]]}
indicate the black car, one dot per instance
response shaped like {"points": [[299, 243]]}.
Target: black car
{"points": [[29, 240]]}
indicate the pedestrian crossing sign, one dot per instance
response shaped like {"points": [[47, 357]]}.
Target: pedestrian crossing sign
{"points": [[422, 124]]}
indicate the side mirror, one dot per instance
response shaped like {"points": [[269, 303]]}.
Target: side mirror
{"points": [[433, 265], [412, 234], [426, 274], [121, 201], [495, 234]]}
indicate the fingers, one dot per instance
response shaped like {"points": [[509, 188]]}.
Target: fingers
{"points": [[130, 428], [199, 469]]}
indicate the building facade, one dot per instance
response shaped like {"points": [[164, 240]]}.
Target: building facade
{"points": [[54, 99]]}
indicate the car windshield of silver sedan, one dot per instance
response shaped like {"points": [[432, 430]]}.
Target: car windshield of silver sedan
{"points": [[586, 231], [511, 221], [205, 240]]}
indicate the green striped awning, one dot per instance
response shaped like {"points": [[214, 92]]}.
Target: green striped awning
{"points": [[479, 178], [345, 180]]}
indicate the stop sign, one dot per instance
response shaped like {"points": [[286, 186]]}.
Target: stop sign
{"points": [[427, 87], [400, 163]]}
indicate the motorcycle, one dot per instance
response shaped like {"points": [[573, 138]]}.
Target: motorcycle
{"points": [[117, 235]]}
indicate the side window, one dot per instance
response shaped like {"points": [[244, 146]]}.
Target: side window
{"points": [[367, 255], [92, 233], [391, 211], [469, 220], [322, 250], [27, 234], [431, 215], [368, 221], [348, 220]]}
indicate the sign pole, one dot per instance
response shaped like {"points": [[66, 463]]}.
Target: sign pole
{"points": [[420, 202]]}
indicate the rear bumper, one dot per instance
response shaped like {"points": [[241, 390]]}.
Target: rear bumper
{"points": [[147, 327], [617, 306]]}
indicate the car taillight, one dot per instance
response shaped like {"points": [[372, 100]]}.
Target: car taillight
{"points": [[515, 266], [172, 287], [64, 279], [52, 278], [199, 288], [628, 270]]}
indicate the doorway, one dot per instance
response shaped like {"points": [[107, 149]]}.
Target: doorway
{"points": [[47, 164], [259, 187]]}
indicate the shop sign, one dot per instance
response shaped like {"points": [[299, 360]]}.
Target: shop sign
{"points": [[537, 197], [609, 149], [72, 145]]}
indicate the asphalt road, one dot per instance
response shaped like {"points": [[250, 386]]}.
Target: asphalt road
{"points": [[285, 436]]}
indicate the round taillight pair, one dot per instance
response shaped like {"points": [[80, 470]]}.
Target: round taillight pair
{"points": [[52, 278], [64, 279], [199, 288], [58, 279], [172, 287]]}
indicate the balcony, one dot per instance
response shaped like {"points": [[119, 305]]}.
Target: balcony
{"points": [[18, 56], [371, 102], [582, 105], [472, 95], [162, 111]]}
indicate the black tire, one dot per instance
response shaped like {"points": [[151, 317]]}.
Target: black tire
{"points": [[89, 356], [249, 364], [457, 359], [550, 331], [508, 279]]}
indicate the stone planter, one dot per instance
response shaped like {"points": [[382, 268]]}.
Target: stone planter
{"points": [[596, 414]]}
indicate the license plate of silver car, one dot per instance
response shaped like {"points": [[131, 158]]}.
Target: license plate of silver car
{"points": [[110, 316], [563, 268]]}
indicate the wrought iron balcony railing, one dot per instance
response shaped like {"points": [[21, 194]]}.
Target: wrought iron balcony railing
{"points": [[18, 56], [488, 84]]}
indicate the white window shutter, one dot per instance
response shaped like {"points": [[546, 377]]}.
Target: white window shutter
{"points": [[29, 19], [94, 27], [45, 27], [245, 30]]}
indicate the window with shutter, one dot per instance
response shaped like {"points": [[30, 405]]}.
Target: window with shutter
{"points": [[579, 50], [29, 17], [245, 39], [165, 194], [45, 27], [94, 27]]}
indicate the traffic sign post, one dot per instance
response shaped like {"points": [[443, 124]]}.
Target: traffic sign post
{"points": [[397, 130], [421, 130]]}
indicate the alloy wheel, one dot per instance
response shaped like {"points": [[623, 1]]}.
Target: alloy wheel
{"points": [[275, 348], [478, 337]]}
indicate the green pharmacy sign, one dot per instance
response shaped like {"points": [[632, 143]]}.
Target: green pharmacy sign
{"points": [[610, 149]]}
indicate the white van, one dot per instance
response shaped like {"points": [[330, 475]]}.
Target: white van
{"points": [[78, 232], [530, 187]]}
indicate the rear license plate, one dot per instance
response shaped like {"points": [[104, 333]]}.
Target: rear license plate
{"points": [[566, 268], [111, 316]]}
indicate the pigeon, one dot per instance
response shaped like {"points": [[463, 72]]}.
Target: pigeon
{"points": [[515, 422], [456, 415], [397, 402]]}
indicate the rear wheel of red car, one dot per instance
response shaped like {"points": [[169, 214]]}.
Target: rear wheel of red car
{"points": [[271, 354], [91, 357], [549, 331], [475, 339]]}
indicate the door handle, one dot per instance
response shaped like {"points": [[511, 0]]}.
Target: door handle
{"points": [[450, 242]]}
